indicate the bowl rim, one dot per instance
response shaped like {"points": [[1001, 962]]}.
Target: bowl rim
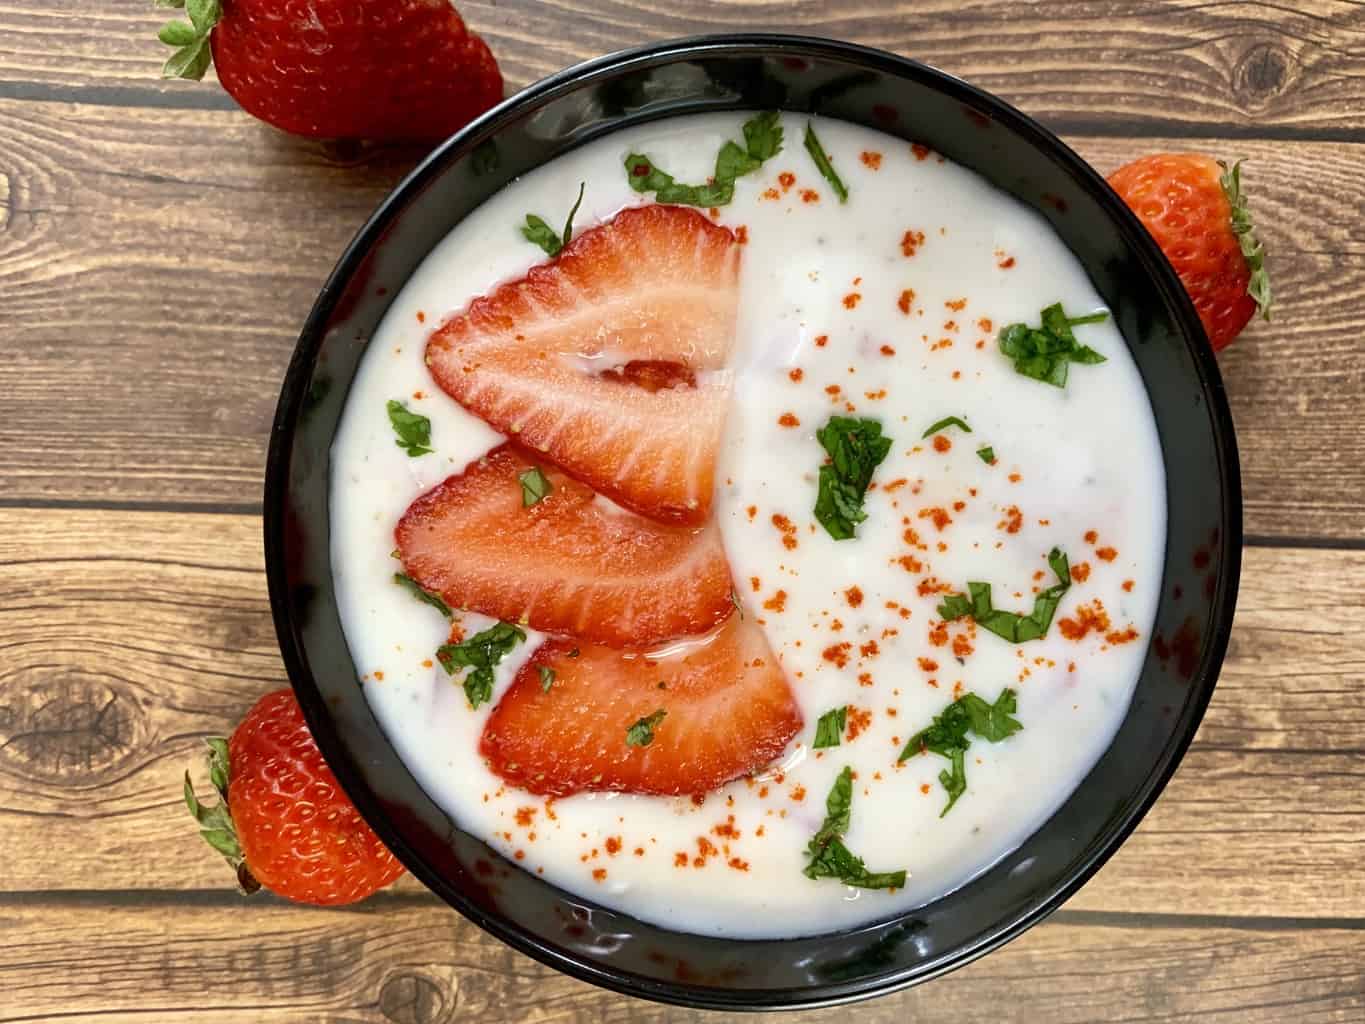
{"points": [[294, 392]]}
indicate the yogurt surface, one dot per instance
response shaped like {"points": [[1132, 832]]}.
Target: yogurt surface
{"points": [[887, 306]]}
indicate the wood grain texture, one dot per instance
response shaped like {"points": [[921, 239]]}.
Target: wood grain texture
{"points": [[131, 635], [398, 961], [1250, 67], [135, 269]]}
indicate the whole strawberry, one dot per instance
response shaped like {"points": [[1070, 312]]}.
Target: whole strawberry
{"points": [[282, 821], [1194, 208], [363, 69]]}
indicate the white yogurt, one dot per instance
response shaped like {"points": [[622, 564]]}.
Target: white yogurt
{"points": [[1068, 462]]}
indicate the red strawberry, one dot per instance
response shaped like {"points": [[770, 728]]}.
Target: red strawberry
{"points": [[609, 358], [677, 724], [401, 69], [1194, 208], [570, 563], [281, 820]]}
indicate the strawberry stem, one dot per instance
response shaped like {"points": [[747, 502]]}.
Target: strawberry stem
{"points": [[192, 54], [1258, 287], [215, 823]]}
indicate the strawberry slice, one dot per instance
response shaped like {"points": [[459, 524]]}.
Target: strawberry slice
{"points": [[610, 358], [571, 563], [727, 712]]}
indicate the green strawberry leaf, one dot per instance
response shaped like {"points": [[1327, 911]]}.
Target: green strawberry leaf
{"points": [[215, 823], [1258, 287], [189, 61], [177, 33], [204, 14]]}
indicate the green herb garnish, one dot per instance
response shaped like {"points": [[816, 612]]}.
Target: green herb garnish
{"points": [[821, 158], [480, 653], [830, 858], [1044, 353], [829, 730], [413, 429], [947, 421], [1014, 627], [547, 677], [986, 455], [947, 736], [856, 448], [762, 141], [422, 593], [534, 486], [537, 231], [1258, 287], [641, 734]]}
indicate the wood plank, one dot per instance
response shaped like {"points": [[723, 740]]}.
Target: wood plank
{"points": [[97, 720], [112, 229], [1252, 67], [419, 963]]}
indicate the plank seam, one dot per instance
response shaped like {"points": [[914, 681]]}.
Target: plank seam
{"points": [[1109, 127], [379, 904]]}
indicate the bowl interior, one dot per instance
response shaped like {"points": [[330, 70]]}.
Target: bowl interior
{"points": [[1203, 505]]}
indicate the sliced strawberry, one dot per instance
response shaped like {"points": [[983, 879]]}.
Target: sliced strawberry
{"points": [[572, 563], [727, 712], [610, 358]]}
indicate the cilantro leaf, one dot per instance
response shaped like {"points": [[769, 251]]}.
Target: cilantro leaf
{"points": [[830, 858], [838, 807], [541, 234], [1012, 626], [641, 734], [762, 141], [422, 593], [856, 448], [829, 730], [480, 653], [573, 212], [534, 486], [413, 429], [821, 158], [991, 722], [1044, 353], [946, 736], [547, 677], [836, 860], [986, 454], [947, 421]]}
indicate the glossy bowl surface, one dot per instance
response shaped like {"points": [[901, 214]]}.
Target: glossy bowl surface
{"points": [[1201, 568]]}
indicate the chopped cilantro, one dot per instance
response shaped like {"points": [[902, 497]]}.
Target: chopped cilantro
{"points": [[537, 231], [1044, 353], [856, 448], [534, 486], [1015, 628], [830, 858], [986, 455], [422, 593], [829, 730], [762, 141], [641, 734], [947, 736], [821, 158], [547, 677], [480, 653], [413, 429], [947, 421]]}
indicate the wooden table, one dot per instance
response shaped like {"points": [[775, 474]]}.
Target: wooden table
{"points": [[158, 252]]}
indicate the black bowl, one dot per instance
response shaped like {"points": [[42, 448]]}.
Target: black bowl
{"points": [[1203, 502]]}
